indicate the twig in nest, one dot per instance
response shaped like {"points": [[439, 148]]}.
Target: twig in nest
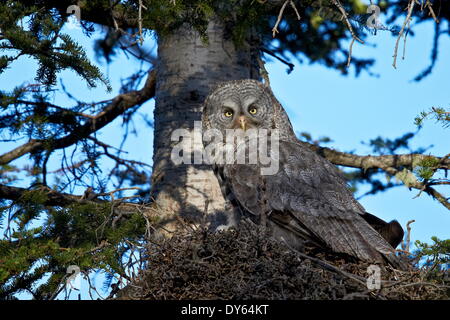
{"points": [[328, 266]]}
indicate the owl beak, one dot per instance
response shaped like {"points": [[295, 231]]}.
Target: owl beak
{"points": [[242, 122]]}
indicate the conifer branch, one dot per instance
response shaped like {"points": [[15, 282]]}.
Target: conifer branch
{"points": [[115, 108]]}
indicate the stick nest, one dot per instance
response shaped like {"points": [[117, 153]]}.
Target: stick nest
{"points": [[246, 263]]}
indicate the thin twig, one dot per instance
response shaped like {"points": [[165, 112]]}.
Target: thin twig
{"points": [[115, 108], [402, 30], [329, 266], [350, 28], [273, 54], [141, 5], [404, 41], [280, 15], [430, 8], [349, 59], [295, 10]]}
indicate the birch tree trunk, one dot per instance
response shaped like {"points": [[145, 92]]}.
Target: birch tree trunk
{"points": [[187, 69]]}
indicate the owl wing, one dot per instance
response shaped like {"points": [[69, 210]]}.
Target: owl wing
{"points": [[308, 198]]}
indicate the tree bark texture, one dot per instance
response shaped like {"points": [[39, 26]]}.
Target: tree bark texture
{"points": [[188, 67]]}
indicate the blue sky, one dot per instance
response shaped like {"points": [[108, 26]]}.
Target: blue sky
{"points": [[351, 110], [322, 102]]}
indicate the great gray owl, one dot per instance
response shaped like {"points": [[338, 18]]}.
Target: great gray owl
{"points": [[307, 200]]}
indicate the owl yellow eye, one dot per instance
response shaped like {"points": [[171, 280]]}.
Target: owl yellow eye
{"points": [[228, 113], [252, 110]]}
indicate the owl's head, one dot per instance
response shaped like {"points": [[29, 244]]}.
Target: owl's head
{"points": [[242, 104]]}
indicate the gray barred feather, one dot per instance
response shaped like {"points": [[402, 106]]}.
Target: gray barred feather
{"points": [[307, 200]]}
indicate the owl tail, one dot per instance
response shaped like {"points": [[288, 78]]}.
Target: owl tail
{"points": [[366, 243], [354, 237]]}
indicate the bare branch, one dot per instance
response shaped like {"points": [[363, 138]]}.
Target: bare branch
{"points": [[430, 8], [141, 6], [405, 23], [280, 16], [273, 54], [345, 17], [350, 28], [391, 164], [372, 162]]}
